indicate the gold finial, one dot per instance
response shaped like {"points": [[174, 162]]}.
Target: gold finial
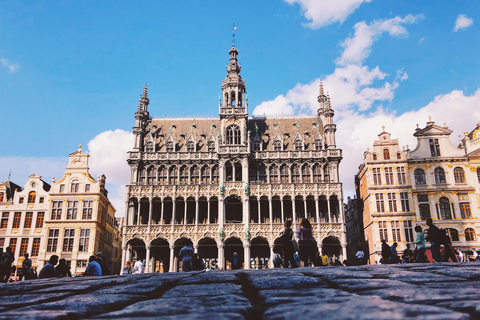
{"points": [[429, 118], [444, 124], [79, 147], [383, 128], [417, 125]]}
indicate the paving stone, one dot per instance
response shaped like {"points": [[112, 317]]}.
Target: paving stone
{"points": [[311, 296], [196, 290], [357, 285], [470, 306], [212, 277], [15, 301], [265, 282]]}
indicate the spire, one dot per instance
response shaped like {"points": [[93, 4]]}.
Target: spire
{"points": [[321, 89], [145, 95], [143, 102]]}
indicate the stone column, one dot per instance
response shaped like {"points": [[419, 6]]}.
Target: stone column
{"points": [[344, 252], [317, 212], [197, 204], [172, 256], [161, 211], [128, 254], [221, 212], [147, 262], [327, 218], [281, 209], [259, 208], [433, 210], [270, 214], [270, 260], [221, 258], [185, 211], [124, 258], [208, 211], [195, 248], [246, 249], [340, 211], [138, 212], [294, 214], [305, 211], [174, 207], [150, 208]]}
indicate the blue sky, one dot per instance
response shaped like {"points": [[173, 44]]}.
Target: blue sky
{"points": [[71, 72]]}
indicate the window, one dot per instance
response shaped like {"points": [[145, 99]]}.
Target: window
{"points": [[374, 156], [382, 227], [35, 247], [478, 174], [419, 177], [295, 174], [62, 188], [284, 173], [84, 239], [4, 224], [318, 144], [28, 220], [326, 173], [162, 175], [205, 175], [31, 197], [82, 263], [396, 231], [23, 247], [273, 174], [141, 176], [401, 175], [57, 210], [389, 176], [453, 234], [13, 244], [87, 187], [41, 200], [399, 156], [256, 146], [195, 175], [306, 174], [298, 145], [407, 225], [2, 196], [469, 235], [386, 154], [392, 202], [151, 176], [440, 175], [404, 201], [20, 200], [233, 134], [17, 216], [215, 175], [52, 240], [445, 212], [173, 175], [72, 210], [68, 240], [183, 175], [434, 147], [459, 175], [149, 147], [211, 146], [377, 176], [277, 146], [424, 206], [74, 187], [169, 146], [380, 203], [262, 173], [2, 242], [317, 173], [190, 146], [40, 218], [465, 210]]}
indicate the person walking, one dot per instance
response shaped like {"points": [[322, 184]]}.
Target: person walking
{"points": [[288, 249], [360, 257], [186, 255], [237, 262], [6, 264], [435, 238], [127, 269], [306, 244], [63, 268], [460, 255], [48, 271], [420, 242], [394, 253], [386, 252], [27, 270], [138, 267]]}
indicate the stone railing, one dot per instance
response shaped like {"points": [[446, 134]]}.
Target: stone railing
{"points": [[172, 155], [310, 154]]}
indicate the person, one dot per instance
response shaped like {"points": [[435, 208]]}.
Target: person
{"points": [[394, 256], [325, 260], [63, 268], [448, 252], [408, 253], [128, 268], [237, 262], [27, 270], [197, 263], [460, 255], [138, 267], [186, 255], [288, 249], [93, 268], [360, 257], [386, 252], [474, 255], [103, 265], [277, 259], [6, 264], [306, 244], [420, 242], [48, 270], [434, 237], [318, 260]]}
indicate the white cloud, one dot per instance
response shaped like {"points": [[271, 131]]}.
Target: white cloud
{"points": [[462, 22], [357, 48], [13, 67], [23, 167], [325, 12]]}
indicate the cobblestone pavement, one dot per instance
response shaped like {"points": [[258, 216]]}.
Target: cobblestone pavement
{"points": [[413, 291]]}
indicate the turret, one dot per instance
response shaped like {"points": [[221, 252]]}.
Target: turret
{"points": [[326, 113], [141, 118]]}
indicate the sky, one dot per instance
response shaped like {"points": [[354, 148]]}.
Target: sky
{"points": [[72, 72]]}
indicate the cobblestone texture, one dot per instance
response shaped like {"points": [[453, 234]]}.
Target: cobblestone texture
{"points": [[413, 291]]}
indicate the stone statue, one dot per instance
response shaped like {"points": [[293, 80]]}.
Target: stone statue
{"points": [[247, 188], [247, 234], [222, 189], [221, 234]]}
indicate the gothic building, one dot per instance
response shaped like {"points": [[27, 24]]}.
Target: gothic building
{"points": [[227, 184]]}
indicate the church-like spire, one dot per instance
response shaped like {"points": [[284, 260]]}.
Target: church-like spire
{"points": [[144, 101], [233, 86]]}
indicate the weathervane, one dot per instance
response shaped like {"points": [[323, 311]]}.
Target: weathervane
{"points": [[233, 39]]}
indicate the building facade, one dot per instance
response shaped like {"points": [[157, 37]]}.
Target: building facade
{"points": [[226, 184], [80, 220], [400, 189]]}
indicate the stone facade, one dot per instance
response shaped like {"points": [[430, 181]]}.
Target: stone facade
{"points": [[402, 188], [227, 184]]}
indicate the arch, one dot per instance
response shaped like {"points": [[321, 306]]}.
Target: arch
{"points": [[213, 209], [31, 197], [459, 175], [306, 173], [160, 255], [259, 248], [238, 171], [444, 206], [276, 210], [386, 154], [233, 134], [273, 173], [374, 157], [208, 251], [470, 235], [232, 245], [440, 175], [136, 250], [331, 245], [287, 208], [178, 245], [419, 177], [144, 210], [173, 175], [167, 210], [233, 209]]}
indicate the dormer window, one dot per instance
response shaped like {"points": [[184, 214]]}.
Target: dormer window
{"points": [[277, 145], [149, 147], [169, 147], [211, 146], [190, 146], [298, 145], [386, 154], [256, 146], [318, 144], [399, 156], [434, 147], [233, 134], [74, 187], [31, 197], [374, 157]]}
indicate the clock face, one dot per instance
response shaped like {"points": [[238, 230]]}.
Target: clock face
{"points": [[33, 184]]}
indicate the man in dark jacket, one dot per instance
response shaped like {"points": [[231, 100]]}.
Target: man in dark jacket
{"points": [[435, 238]]}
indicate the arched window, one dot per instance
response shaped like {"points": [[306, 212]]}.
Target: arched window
{"points": [[295, 174], [205, 174], [445, 211], [284, 173], [151, 176], [478, 174], [162, 175], [374, 157], [419, 177], [470, 235], [238, 172], [190, 146], [215, 174], [439, 175], [453, 234], [194, 175], [262, 173], [277, 146], [273, 174], [31, 196], [256, 146], [399, 156], [459, 175], [170, 146], [233, 134], [298, 145], [317, 173], [306, 178], [141, 176], [173, 175], [326, 173], [386, 154], [211, 146], [318, 144], [183, 175], [228, 171], [149, 146]]}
